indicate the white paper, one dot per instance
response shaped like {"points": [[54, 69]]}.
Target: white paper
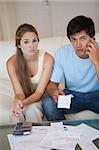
{"points": [[87, 145], [64, 101], [59, 142], [29, 142], [87, 135], [56, 137], [87, 132]]}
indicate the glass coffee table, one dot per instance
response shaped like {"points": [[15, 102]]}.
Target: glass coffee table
{"points": [[7, 129]]}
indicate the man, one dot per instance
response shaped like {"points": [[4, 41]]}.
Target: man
{"points": [[78, 62]]}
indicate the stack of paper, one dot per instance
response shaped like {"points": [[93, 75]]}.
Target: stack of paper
{"points": [[56, 136]]}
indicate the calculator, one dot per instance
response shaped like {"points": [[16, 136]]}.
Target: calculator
{"points": [[22, 128]]}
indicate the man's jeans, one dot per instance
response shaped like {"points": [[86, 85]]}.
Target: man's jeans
{"points": [[80, 102]]}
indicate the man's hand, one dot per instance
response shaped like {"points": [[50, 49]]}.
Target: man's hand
{"points": [[56, 94], [93, 51], [54, 91]]}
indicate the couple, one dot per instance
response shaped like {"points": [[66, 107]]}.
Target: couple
{"points": [[33, 71]]}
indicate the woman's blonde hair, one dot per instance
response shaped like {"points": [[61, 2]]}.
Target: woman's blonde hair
{"points": [[21, 67]]}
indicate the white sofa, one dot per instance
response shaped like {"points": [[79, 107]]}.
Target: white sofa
{"points": [[7, 48]]}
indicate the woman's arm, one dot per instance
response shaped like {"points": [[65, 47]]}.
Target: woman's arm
{"points": [[15, 83], [46, 73], [17, 107]]}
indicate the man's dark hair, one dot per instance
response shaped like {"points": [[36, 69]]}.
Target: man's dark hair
{"points": [[81, 23]]}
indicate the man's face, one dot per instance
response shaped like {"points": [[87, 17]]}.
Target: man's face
{"points": [[80, 41]]}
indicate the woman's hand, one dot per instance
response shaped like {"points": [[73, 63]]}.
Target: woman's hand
{"points": [[17, 107]]}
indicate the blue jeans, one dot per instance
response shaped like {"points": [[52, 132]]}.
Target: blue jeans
{"points": [[80, 102]]}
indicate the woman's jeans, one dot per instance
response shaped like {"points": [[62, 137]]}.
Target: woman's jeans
{"points": [[80, 102]]}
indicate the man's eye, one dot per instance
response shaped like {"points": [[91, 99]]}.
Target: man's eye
{"points": [[73, 40], [84, 38]]}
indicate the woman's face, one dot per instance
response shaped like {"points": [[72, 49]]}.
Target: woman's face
{"points": [[29, 43]]}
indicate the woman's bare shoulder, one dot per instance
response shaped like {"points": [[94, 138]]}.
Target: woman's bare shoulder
{"points": [[48, 60], [10, 61], [48, 56]]}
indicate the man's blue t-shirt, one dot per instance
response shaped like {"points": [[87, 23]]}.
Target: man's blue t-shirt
{"points": [[80, 74]]}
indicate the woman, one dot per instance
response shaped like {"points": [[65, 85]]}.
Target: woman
{"points": [[29, 70]]}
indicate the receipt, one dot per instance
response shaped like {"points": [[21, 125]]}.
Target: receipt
{"points": [[64, 101]]}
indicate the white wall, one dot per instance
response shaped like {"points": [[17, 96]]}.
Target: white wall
{"points": [[49, 17], [63, 11], [7, 19], [36, 13]]}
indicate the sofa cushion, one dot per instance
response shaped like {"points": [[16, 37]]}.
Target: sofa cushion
{"points": [[7, 49], [50, 44], [6, 88], [6, 98], [86, 114], [5, 109]]}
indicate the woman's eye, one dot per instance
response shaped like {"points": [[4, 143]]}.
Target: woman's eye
{"points": [[25, 42], [35, 40], [28, 41]]}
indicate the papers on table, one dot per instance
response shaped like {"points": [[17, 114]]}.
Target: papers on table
{"points": [[28, 142], [56, 136], [64, 101], [87, 135]]}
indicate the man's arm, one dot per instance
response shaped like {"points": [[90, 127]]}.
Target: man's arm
{"points": [[54, 91]]}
